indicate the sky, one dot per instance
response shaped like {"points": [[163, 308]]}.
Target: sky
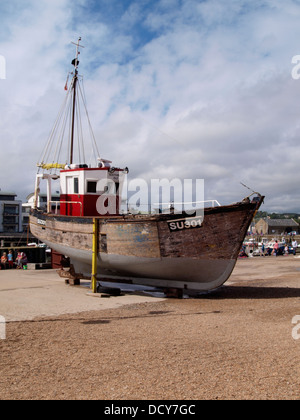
{"points": [[189, 89]]}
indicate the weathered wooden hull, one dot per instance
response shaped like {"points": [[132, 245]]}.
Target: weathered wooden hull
{"points": [[144, 250]]}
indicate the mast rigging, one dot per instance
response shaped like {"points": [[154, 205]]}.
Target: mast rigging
{"points": [[65, 145]]}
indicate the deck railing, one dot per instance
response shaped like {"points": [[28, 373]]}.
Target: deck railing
{"points": [[66, 202], [214, 203]]}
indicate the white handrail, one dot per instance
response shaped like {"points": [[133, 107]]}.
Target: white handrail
{"points": [[67, 202], [213, 202]]}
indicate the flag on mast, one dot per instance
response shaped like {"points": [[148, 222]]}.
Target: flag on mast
{"points": [[66, 85]]}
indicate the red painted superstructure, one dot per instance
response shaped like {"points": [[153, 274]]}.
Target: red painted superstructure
{"points": [[90, 191]]}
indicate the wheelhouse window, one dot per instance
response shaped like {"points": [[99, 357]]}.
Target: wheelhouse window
{"points": [[76, 186], [92, 186]]}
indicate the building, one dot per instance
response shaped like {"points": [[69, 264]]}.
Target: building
{"points": [[14, 220], [268, 226], [10, 213]]}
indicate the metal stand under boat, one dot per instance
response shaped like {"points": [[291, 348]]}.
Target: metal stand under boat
{"points": [[173, 293]]}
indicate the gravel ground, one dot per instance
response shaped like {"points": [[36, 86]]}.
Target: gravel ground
{"points": [[235, 343]]}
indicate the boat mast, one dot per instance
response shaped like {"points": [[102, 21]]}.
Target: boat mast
{"points": [[75, 63]]}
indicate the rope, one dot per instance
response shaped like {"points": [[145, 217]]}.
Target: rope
{"points": [[49, 145], [56, 140], [94, 143]]}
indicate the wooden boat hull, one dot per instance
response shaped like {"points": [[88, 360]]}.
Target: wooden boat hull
{"points": [[158, 250]]}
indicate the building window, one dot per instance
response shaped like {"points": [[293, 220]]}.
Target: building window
{"points": [[9, 209], [7, 197], [7, 220], [10, 228]]}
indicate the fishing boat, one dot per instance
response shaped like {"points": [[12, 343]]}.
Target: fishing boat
{"points": [[177, 251]]}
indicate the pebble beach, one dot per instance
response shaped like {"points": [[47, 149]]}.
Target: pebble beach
{"points": [[238, 342]]}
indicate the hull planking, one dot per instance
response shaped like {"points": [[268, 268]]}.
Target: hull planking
{"points": [[166, 251]]}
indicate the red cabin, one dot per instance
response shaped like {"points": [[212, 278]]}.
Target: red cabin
{"points": [[91, 191]]}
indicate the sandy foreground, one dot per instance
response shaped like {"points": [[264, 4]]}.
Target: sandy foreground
{"points": [[236, 343]]}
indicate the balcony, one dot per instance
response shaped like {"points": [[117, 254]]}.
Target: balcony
{"points": [[10, 210]]}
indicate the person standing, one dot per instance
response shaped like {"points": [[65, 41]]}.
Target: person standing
{"points": [[295, 246], [3, 261], [21, 259], [276, 248], [10, 259]]}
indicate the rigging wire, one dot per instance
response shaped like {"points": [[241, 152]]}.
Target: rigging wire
{"points": [[63, 127], [94, 143], [62, 134], [47, 150], [80, 136]]}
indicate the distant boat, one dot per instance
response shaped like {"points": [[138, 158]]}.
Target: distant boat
{"points": [[174, 252]]}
